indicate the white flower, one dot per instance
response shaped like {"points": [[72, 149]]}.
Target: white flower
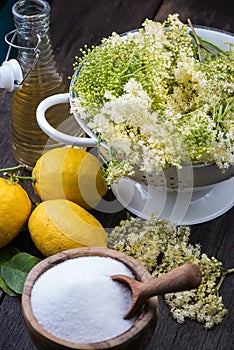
{"points": [[149, 96], [161, 246]]}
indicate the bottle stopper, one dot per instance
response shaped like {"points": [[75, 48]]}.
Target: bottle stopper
{"points": [[11, 75]]}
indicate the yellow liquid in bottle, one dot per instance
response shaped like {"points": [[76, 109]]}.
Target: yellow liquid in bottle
{"points": [[29, 141]]}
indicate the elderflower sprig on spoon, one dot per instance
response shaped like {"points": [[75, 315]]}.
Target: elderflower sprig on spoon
{"points": [[159, 97], [162, 246]]}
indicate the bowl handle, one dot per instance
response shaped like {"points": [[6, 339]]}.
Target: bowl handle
{"points": [[52, 132]]}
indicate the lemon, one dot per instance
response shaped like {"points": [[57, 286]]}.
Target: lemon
{"points": [[69, 173], [58, 224], [15, 208]]}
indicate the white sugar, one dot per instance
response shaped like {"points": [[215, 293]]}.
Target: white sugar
{"points": [[78, 301]]}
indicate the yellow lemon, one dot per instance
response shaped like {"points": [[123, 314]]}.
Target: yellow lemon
{"points": [[69, 173], [58, 224], [15, 208]]}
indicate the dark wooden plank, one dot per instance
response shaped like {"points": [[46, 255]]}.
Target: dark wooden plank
{"points": [[217, 236], [6, 157], [11, 320], [217, 14]]}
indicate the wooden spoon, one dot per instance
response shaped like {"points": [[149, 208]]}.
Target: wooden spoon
{"points": [[185, 277]]}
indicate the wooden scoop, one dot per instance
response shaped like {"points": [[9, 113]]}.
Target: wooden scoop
{"points": [[185, 277]]}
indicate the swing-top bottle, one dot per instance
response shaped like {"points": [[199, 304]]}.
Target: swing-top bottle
{"points": [[32, 20]]}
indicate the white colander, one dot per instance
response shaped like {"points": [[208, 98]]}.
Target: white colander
{"points": [[190, 176]]}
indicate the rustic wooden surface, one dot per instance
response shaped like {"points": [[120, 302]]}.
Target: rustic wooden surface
{"points": [[73, 24]]}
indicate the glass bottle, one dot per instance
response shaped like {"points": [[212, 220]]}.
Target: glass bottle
{"points": [[32, 19]]}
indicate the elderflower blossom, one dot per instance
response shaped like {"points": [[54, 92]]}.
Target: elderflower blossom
{"points": [[162, 246], [151, 98]]}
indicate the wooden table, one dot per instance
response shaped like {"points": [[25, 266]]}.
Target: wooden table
{"points": [[73, 24]]}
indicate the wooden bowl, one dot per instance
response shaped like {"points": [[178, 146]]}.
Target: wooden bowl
{"points": [[136, 337]]}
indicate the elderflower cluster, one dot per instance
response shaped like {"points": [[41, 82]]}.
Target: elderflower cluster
{"points": [[155, 101], [161, 246]]}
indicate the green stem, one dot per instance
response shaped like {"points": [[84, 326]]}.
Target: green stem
{"points": [[100, 156], [196, 39], [24, 178], [12, 169], [14, 177], [223, 276]]}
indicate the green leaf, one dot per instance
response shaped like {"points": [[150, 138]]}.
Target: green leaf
{"points": [[6, 289], [208, 46], [15, 270], [7, 253]]}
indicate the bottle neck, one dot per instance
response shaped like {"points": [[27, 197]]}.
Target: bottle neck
{"points": [[31, 17]]}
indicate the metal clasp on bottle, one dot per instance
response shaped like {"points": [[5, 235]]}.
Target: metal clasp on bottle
{"points": [[11, 76]]}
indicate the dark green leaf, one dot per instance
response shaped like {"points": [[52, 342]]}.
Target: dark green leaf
{"points": [[209, 46], [6, 254], [6, 289], [15, 270]]}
